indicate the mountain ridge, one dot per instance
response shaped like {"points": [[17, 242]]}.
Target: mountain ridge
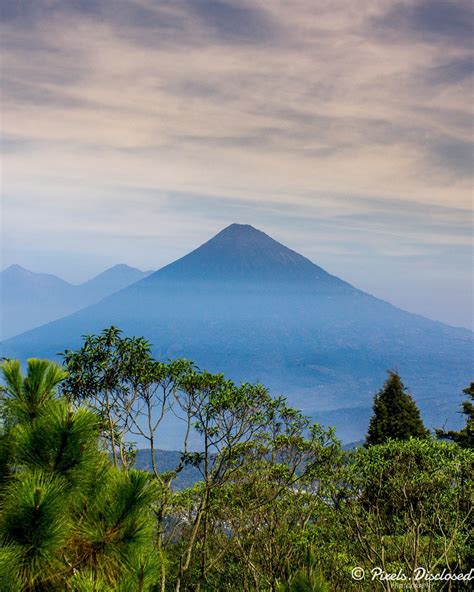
{"points": [[30, 299]]}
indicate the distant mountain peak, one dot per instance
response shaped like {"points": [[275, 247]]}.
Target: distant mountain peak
{"points": [[243, 234], [111, 280], [121, 267], [241, 252], [250, 247], [16, 272], [239, 230], [16, 269]]}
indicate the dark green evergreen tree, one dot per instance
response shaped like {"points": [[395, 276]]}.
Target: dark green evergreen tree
{"points": [[465, 436], [69, 520], [396, 415]]}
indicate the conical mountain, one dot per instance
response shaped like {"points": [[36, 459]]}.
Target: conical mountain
{"points": [[248, 306], [241, 252]]}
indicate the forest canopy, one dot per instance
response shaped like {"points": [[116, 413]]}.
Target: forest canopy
{"points": [[277, 503]]}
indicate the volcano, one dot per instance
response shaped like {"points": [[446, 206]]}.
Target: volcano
{"points": [[246, 305]]}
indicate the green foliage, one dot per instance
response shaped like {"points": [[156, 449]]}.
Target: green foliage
{"points": [[465, 436], [104, 373], [10, 561], [279, 505], [396, 415], [27, 396], [401, 505], [130, 391], [266, 503], [303, 581], [61, 441], [68, 517], [35, 524]]}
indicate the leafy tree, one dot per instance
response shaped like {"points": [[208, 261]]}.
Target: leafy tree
{"points": [[257, 515], [465, 436], [400, 505], [229, 420], [103, 374], [396, 415]]}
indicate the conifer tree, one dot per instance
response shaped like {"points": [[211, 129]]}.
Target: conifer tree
{"points": [[465, 436], [396, 415], [69, 521]]}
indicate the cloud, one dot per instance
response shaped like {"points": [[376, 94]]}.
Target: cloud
{"points": [[456, 155], [11, 144], [450, 20], [255, 84], [234, 21], [452, 72]]}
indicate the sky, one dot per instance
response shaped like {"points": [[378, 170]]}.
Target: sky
{"points": [[133, 131]]}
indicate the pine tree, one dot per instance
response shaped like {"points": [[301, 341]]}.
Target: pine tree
{"points": [[465, 436], [69, 521], [396, 415]]}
